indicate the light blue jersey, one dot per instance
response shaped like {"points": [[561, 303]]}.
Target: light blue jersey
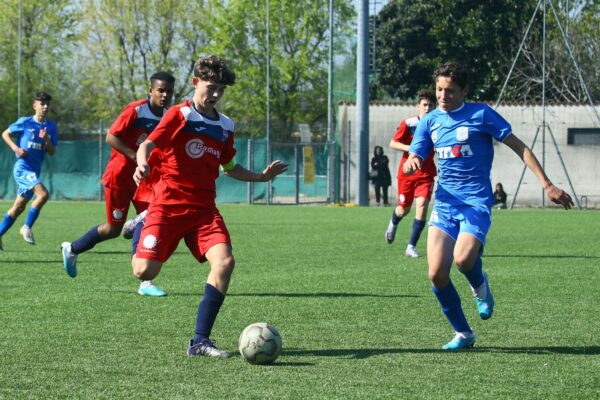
{"points": [[27, 133], [462, 140]]}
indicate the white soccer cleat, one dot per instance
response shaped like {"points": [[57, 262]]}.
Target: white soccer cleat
{"points": [[25, 231], [411, 251], [129, 226], [390, 233]]}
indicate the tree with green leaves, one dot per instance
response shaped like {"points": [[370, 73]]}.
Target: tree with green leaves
{"points": [[414, 37], [48, 47], [298, 58]]}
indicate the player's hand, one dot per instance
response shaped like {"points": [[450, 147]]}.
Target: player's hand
{"points": [[274, 169], [44, 134], [141, 173], [559, 196], [21, 153], [412, 164]]}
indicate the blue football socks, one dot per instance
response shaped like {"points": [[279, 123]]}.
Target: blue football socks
{"points": [[475, 275], [87, 241], [32, 215], [6, 223], [418, 226], [395, 219], [450, 302], [207, 312], [137, 232]]}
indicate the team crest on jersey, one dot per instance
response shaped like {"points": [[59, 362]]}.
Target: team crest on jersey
{"points": [[196, 148], [462, 133], [141, 139], [117, 214], [149, 242]]}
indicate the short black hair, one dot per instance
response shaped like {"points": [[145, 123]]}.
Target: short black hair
{"points": [[162, 76], [426, 95], [454, 71], [214, 69], [42, 96]]}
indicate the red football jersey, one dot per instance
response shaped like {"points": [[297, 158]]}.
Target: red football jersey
{"points": [[132, 126], [404, 134], [194, 146]]}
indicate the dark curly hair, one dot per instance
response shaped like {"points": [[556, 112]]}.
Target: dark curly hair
{"points": [[214, 69], [454, 71]]}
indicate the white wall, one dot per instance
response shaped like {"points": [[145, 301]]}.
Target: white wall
{"points": [[582, 163]]}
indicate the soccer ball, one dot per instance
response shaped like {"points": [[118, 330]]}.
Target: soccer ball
{"points": [[260, 343]]}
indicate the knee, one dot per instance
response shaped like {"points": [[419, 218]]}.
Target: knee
{"points": [[142, 270], [225, 266], [463, 261], [437, 280]]}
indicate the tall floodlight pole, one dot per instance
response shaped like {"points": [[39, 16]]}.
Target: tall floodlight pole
{"points": [[19, 51], [268, 90], [330, 139], [362, 103], [544, 97]]}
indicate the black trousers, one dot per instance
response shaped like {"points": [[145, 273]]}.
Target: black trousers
{"points": [[381, 188]]}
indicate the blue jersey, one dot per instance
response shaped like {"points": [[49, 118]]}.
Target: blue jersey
{"points": [[463, 145], [27, 133]]}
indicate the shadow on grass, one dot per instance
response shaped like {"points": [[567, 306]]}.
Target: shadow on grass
{"points": [[323, 294], [575, 350], [539, 256], [366, 353]]}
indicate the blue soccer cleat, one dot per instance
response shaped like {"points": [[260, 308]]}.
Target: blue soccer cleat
{"points": [[460, 342], [69, 259], [206, 348], [485, 307], [147, 288]]}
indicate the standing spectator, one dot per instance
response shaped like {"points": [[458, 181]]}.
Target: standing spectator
{"points": [[34, 137], [416, 187], [500, 197], [380, 175]]}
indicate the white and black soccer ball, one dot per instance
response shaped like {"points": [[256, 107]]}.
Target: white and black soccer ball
{"points": [[260, 343]]}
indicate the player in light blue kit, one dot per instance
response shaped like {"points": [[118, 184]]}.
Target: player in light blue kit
{"points": [[461, 134], [34, 136]]}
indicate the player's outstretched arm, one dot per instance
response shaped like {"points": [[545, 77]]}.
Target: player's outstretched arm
{"points": [[412, 164], [554, 193], [242, 174], [142, 171]]}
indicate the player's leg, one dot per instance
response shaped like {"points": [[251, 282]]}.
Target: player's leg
{"points": [[440, 246], [117, 205], [405, 200], [221, 267], [41, 197], [147, 287], [11, 215], [422, 193], [211, 242], [467, 254]]}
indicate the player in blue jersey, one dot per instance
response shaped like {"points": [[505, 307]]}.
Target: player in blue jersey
{"points": [[30, 138], [461, 134]]}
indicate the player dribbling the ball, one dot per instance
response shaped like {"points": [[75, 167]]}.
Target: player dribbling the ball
{"points": [[196, 140]]}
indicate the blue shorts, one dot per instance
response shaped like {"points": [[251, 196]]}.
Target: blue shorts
{"points": [[26, 181], [453, 220]]}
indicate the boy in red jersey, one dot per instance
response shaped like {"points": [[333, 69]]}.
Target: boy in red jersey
{"points": [[414, 187], [130, 129], [195, 140]]}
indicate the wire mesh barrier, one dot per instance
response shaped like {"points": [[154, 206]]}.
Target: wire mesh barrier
{"points": [[75, 171]]}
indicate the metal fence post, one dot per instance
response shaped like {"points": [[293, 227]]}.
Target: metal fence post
{"points": [[250, 166], [297, 172]]}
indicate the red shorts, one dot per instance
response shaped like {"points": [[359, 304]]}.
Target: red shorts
{"points": [[408, 189], [166, 225], [117, 204]]}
